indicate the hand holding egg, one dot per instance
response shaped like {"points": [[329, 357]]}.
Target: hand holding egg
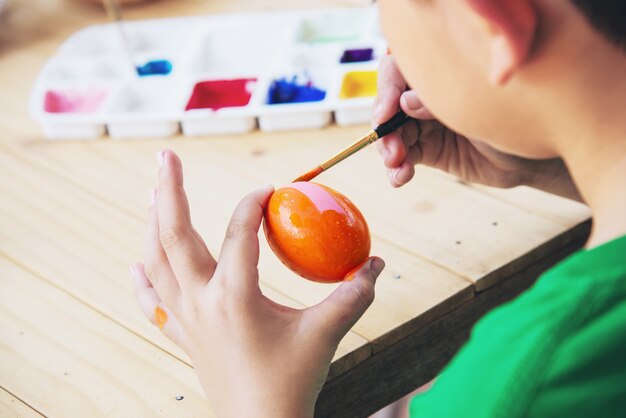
{"points": [[214, 309]]}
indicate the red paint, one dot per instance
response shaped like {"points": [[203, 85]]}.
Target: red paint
{"points": [[310, 175], [217, 94], [316, 231]]}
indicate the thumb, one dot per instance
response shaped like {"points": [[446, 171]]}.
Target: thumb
{"points": [[413, 106], [342, 308]]}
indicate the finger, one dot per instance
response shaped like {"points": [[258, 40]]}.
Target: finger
{"points": [[394, 147], [413, 106], [151, 305], [391, 85], [402, 175], [190, 260], [239, 256], [342, 308], [157, 266], [437, 146]]}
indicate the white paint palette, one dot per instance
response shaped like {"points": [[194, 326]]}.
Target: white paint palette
{"points": [[214, 74]]}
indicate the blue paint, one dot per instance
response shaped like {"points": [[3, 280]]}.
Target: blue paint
{"points": [[357, 55], [156, 67], [292, 91]]}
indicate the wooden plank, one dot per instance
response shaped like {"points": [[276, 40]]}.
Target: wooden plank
{"points": [[90, 263], [423, 292], [12, 407], [64, 359], [423, 287], [398, 370]]}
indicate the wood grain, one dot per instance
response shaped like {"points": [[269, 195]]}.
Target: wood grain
{"points": [[61, 357], [12, 407]]}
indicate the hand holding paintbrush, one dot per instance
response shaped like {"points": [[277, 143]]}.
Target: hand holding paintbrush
{"points": [[383, 129]]}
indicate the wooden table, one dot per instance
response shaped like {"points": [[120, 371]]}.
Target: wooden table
{"points": [[73, 342]]}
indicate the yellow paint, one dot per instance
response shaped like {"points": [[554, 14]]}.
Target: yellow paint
{"points": [[358, 84], [160, 317]]}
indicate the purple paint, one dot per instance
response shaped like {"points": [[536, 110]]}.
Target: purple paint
{"points": [[74, 101], [357, 55]]}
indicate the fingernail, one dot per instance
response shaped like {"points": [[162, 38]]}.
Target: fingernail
{"points": [[160, 156], [377, 265], [153, 196], [132, 271], [411, 100]]}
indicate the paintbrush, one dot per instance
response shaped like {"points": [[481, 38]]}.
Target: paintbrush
{"points": [[381, 130], [114, 11]]}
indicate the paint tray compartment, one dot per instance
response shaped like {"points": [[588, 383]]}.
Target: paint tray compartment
{"points": [[356, 91], [72, 111], [211, 75], [147, 108], [296, 100], [221, 105]]}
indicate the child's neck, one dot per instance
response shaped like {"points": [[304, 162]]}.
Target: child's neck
{"points": [[605, 193], [586, 115], [597, 164]]}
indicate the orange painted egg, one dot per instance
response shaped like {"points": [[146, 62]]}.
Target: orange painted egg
{"points": [[316, 231]]}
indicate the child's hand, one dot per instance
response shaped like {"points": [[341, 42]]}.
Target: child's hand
{"points": [[430, 143], [252, 356]]}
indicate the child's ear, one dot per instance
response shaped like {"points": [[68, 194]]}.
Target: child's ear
{"points": [[510, 27]]}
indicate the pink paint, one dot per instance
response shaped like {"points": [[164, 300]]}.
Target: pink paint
{"points": [[217, 94], [321, 198], [74, 101]]}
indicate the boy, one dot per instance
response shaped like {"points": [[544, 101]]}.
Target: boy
{"points": [[539, 86]]}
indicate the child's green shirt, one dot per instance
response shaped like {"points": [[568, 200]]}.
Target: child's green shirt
{"points": [[558, 350]]}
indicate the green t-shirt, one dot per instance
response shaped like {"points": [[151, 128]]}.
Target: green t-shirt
{"points": [[558, 350]]}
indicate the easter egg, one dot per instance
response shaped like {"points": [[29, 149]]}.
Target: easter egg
{"points": [[316, 231]]}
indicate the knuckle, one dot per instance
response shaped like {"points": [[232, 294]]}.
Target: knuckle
{"points": [[171, 237], [152, 273], [365, 291], [237, 228]]}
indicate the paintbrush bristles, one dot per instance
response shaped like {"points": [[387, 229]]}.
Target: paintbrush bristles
{"points": [[310, 175]]}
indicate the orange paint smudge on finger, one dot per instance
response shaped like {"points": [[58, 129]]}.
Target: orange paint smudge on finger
{"points": [[160, 317]]}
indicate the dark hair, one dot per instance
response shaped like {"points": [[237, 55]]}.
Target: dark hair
{"points": [[608, 16]]}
